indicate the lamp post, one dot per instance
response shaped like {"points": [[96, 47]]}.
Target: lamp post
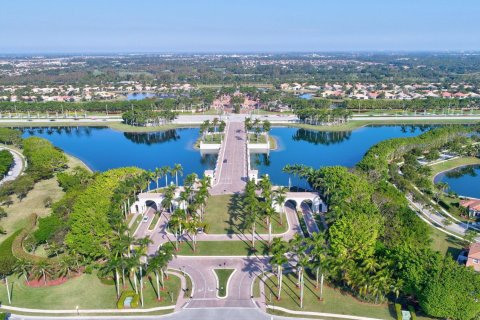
{"points": [[78, 312]]}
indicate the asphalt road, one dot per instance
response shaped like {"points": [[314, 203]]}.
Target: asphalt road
{"points": [[17, 168]]}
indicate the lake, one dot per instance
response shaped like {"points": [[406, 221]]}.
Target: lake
{"points": [[464, 180], [104, 148]]}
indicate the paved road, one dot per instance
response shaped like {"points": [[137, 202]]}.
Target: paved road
{"points": [[185, 314], [17, 168], [231, 171]]}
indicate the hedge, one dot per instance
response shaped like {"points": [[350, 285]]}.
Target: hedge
{"points": [[6, 161], [125, 295], [398, 311], [7, 259], [412, 312]]}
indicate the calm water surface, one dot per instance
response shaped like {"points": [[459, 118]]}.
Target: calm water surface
{"points": [[464, 180], [104, 148]]}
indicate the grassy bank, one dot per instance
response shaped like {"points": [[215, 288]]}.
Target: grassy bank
{"points": [[35, 202], [353, 124], [452, 164], [334, 300], [85, 291]]}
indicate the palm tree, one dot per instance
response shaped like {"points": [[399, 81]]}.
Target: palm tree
{"points": [[158, 174], [23, 267], [183, 199], [279, 249], [42, 269], [154, 264], [164, 173], [175, 224], [268, 213], [318, 251], [168, 198], [251, 207], [177, 169], [112, 266], [280, 196]]}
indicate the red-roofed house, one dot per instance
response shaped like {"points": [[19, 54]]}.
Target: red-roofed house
{"points": [[472, 205], [474, 256]]}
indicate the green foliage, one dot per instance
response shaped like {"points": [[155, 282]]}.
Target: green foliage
{"points": [[10, 136], [47, 227], [43, 158], [148, 117], [126, 294], [7, 259], [412, 312], [452, 292], [6, 161], [17, 245], [376, 160], [77, 179], [398, 311], [90, 227]]}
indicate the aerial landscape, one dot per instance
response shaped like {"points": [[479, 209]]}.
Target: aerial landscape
{"points": [[240, 160]]}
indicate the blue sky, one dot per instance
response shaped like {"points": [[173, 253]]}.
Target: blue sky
{"points": [[238, 25]]}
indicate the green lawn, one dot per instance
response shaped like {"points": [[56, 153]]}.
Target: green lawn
{"points": [[334, 300], [86, 291], [446, 244], [222, 248], [223, 275], [135, 223], [452, 164], [225, 214], [252, 138], [154, 222]]}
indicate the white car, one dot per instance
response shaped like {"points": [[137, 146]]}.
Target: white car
{"points": [[145, 219]]}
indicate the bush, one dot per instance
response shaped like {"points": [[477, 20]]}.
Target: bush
{"points": [[7, 259], [10, 136], [89, 269], [398, 311], [125, 294], [43, 158], [47, 227], [412, 312], [6, 161]]}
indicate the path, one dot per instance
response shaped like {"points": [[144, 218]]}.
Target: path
{"points": [[17, 168], [231, 173]]}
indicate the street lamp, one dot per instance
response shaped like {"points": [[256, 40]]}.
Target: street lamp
{"points": [[78, 312]]}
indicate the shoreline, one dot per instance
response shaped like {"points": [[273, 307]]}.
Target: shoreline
{"points": [[474, 161]]}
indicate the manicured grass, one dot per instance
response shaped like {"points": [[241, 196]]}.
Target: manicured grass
{"points": [[225, 214], [334, 300], [256, 287], [135, 223], [222, 248], [273, 142], [154, 222], [86, 291], [353, 124], [452, 164], [222, 276], [252, 138], [34, 202], [446, 244]]}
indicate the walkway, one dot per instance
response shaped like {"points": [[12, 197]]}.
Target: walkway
{"points": [[18, 166], [231, 172]]}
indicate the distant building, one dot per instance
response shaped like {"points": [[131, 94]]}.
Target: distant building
{"points": [[473, 259]]}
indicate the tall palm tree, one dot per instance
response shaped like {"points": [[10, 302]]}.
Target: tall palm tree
{"points": [[318, 252], [154, 264], [158, 174], [168, 197], [251, 218], [112, 265], [268, 213], [176, 170], [279, 249], [280, 196], [164, 171]]}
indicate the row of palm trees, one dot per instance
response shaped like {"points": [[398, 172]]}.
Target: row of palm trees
{"points": [[263, 207], [257, 127], [164, 172], [187, 218], [214, 126]]}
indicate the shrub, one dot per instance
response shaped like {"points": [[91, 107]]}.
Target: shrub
{"points": [[7, 259], [47, 227], [89, 269], [10, 136], [125, 294], [6, 161], [398, 311], [412, 312], [43, 158]]}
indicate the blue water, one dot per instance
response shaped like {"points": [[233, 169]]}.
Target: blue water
{"points": [[139, 96], [316, 149], [103, 148], [306, 96], [464, 181]]}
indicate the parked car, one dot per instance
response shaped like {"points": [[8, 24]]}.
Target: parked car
{"points": [[145, 219]]}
